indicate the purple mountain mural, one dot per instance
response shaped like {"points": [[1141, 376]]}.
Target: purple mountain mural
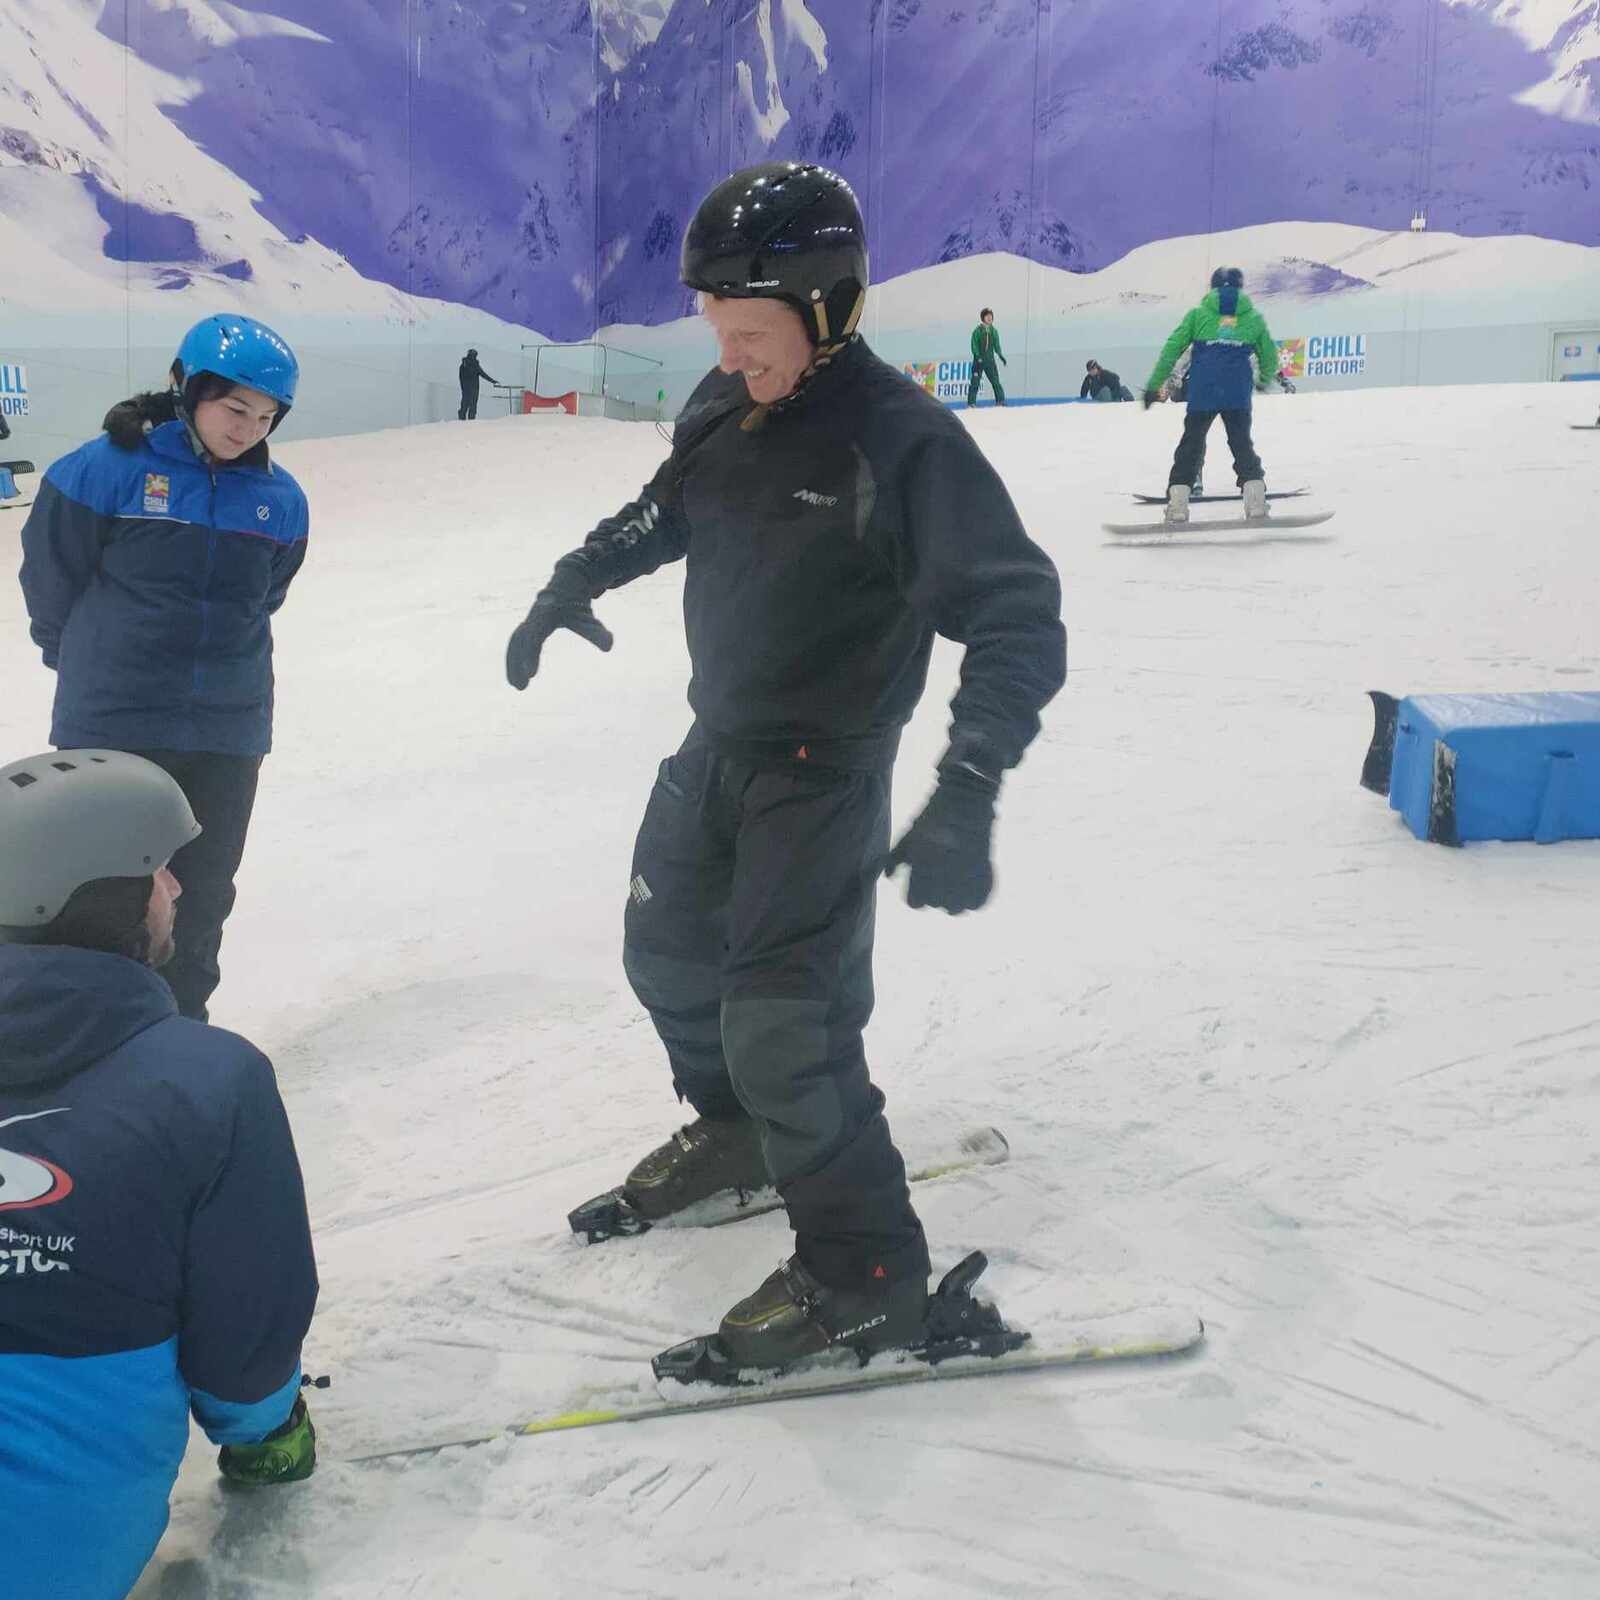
{"points": [[447, 149], [1071, 133], [538, 160]]}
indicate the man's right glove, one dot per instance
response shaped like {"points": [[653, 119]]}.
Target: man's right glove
{"points": [[947, 847], [562, 603], [286, 1455]]}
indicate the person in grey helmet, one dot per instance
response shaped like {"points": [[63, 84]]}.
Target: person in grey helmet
{"points": [[155, 1257], [834, 519]]}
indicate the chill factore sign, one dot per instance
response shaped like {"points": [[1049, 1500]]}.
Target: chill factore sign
{"points": [[1323, 355], [944, 380], [13, 390]]}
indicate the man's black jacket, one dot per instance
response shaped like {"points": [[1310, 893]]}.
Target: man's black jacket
{"points": [[825, 548]]}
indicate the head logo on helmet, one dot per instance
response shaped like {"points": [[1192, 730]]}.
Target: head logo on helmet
{"points": [[242, 351], [784, 230]]}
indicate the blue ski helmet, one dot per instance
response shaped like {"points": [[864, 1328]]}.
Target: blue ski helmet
{"points": [[1227, 278], [241, 350]]}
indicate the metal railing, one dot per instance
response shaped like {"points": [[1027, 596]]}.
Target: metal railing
{"points": [[606, 352]]}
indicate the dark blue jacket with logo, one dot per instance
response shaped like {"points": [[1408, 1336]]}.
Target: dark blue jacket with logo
{"points": [[155, 1260], [150, 579]]}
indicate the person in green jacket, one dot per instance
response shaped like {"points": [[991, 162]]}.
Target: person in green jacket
{"points": [[1233, 355], [985, 347]]}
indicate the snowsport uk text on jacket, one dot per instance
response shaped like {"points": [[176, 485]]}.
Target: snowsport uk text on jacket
{"points": [[1232, 354], [150, 578], [155, 1260]]}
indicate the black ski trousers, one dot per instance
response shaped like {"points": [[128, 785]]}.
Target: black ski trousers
{"points": [[221, 791], [981, 370], [748, 938], [1191, 452], [469, 404]]}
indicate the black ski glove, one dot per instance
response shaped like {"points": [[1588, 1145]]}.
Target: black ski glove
{"points": [[1148, 397], [947, 847], [562, 603]]}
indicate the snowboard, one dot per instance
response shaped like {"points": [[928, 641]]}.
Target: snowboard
{"points": [[1222, 530], [1585, 427], [1210, 499], [1138, 1334], [611, 1215]]}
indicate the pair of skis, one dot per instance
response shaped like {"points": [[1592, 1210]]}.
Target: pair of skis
{"points": [[963, 1336]]}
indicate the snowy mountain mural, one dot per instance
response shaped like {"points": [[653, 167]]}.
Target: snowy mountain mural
{"points": [[1071, 134], [533, 163]]}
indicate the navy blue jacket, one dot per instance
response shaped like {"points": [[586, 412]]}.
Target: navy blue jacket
{"points": [[155, 1259], [150, 578]]}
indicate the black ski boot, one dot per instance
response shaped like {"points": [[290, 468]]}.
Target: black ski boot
{"points": [[793, 1316], [794, 1321], [712, 1156]]}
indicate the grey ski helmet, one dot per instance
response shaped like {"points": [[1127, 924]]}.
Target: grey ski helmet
{"points": [[70, 817]]}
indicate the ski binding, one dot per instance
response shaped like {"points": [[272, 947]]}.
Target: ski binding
{"points": [[957, 1324]]}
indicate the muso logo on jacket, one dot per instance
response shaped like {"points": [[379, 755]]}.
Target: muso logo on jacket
{"points": [[28, 1182], [812, 498]]}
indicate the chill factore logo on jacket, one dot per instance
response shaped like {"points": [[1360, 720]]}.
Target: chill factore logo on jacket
{"points": [[27, 1182]]}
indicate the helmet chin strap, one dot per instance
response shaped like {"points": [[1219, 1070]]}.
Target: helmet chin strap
{"points": [[189, 428], [826, 350]]}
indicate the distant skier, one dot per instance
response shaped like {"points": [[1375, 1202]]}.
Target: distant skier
{"points": [[153, 559], [1233, 355], [470, 374], [834, 519], [157, 1260], [1102, 384], [985, 348]]}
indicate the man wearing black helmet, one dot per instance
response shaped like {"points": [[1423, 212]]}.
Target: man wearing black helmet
{"points": [[470, 374], [834, 518], [155, 1258], [1232, 355]]}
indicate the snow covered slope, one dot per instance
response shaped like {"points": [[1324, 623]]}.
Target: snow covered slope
{"points": [[1255, 1047]]}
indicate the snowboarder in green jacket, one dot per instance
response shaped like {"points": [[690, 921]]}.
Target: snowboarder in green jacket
{"points": [[985, 347], [1233, 355]]}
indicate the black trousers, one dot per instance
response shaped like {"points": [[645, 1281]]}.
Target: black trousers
{"points": [[981, 370], [469, 405], [748, 938], [1191, 451], [221, 791]]}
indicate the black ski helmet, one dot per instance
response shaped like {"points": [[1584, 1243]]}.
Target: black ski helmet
{"points": [[784, 230], [1227, 278]]}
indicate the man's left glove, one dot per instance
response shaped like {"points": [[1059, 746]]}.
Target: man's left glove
{"points": [[947, 847], [286, 1455], [1004, 362], [1148, 397], [562, 603]]}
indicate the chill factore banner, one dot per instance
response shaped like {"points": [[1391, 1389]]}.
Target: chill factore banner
{"points": [[944, 380], [13, 390], [1323, 355]]}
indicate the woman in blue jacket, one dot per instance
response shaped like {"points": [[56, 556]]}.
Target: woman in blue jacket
{"points": [[153, 559]]}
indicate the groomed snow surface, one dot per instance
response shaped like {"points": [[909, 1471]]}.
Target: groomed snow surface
{"points": [[1258, 1051]]}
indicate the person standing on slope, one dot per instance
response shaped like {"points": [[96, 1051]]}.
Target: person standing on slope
{"points": [[985, 348], [470, 374], [155, 1258], [834, 519], [1232, 355], [153, 560]]}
